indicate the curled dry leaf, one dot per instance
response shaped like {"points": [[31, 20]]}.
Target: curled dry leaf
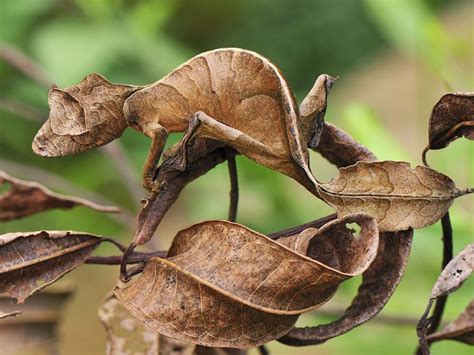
{"points": [[9, 314], [379, 282], [224, 285], [462, 329], [31, 261], [455, 273], [339, 148], [26, 198], [396, 195], [452, 117]]}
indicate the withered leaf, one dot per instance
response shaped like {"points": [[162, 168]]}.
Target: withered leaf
{"points": [[396, 195], [224, 285], [379, 282], [9, 314], [125, 333], [455, 273], [26, 198], [462, 329], [452, 117], [339, 148], [30, 261]]}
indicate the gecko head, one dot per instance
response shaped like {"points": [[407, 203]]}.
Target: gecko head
{"points": [[82, 117]]}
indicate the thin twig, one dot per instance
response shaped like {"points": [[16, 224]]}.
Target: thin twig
{"points": [[58, 183], [234, 185], [135, 258], [317, 223], [20, 109], [121, 162], [435, 320], [424, 324], [24, 64]]}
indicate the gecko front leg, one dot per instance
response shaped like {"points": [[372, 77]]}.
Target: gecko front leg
{"points": [[159, 135]]}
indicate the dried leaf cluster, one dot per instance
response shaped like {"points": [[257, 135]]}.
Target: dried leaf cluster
{"points": [[220, 284]]}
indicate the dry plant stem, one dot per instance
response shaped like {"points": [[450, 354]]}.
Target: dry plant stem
{"points": [[134, 258], [23, 64], [125, 219], [20, 109], [423, 324], [165, 196], [432, 325], [121, 162], [317, 223], [234, 185]]}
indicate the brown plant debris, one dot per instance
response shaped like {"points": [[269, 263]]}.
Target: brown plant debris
{"points": [[31, 261], [455, 273], [224, 285], [26, 198], [396, 195], [452, 117], [379, 282], [462, 329], [452, 277]]}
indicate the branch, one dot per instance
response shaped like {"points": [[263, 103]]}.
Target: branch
{"points": [[317, 223], [135, 258], [58, 183], [234, 185], [125, 169], [429, 326], [24, 64], [20, 109]]}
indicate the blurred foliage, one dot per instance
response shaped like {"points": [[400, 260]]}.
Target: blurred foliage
{"points": [[139, 41]]}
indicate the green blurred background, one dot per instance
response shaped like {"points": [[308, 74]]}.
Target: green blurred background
{"points": [[395, 59]]}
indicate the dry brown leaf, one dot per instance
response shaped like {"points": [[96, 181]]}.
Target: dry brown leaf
{"points": [[452, 117], [126, 335], [379, 282], [339, 148], [9, 314], [396, 195], [462, 329], [224, 285], [455, 273], [30, 261], [26, 198]]}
